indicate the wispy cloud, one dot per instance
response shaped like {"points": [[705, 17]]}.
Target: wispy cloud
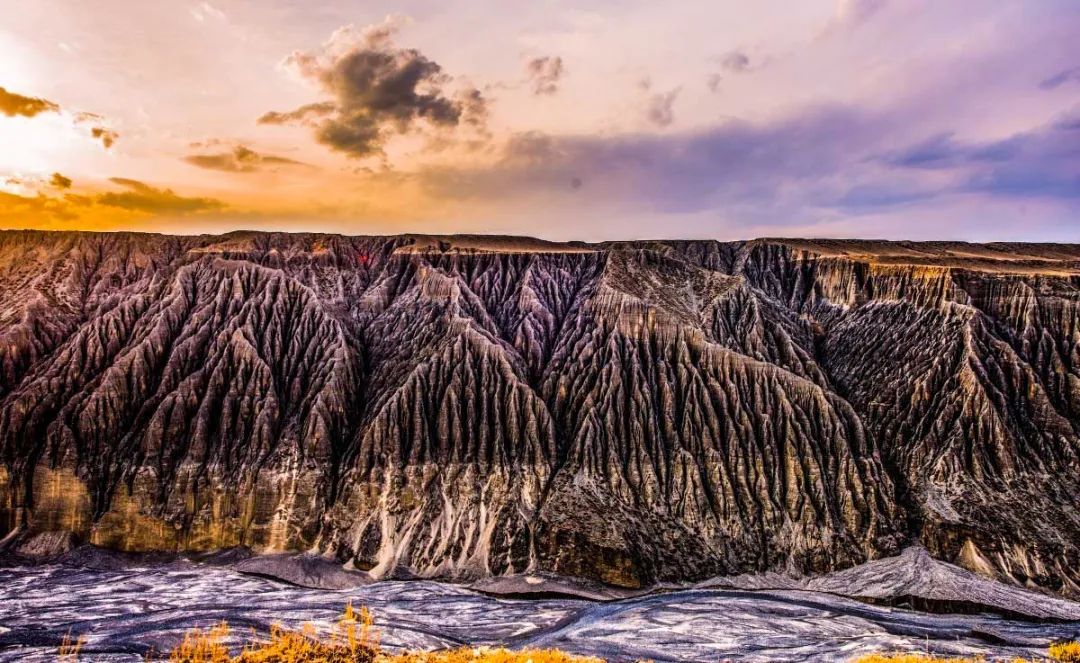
{"points": [[142, 197], [544, 74], [58, 181], [240, 159], [660, 107], [12, 105], [851, 13], [49, 202], [1071, 75], [205, 10], [735, 62]]}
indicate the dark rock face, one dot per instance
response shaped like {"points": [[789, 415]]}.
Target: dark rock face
{"points": [[474, 406]]}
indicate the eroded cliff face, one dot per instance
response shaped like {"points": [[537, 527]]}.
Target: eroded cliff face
{"points": [[467, 406]]}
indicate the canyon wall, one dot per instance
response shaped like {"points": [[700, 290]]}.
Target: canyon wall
{"points": [[464, 406]]}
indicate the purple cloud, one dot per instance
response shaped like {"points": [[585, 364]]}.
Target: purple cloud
{"points": [[826, 161], [735, 62], [660, 109], [1042, 162], [689, 171], [544, 74], [1061, 78]]}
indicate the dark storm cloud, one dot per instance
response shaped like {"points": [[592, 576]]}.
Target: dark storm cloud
{"points": [[377, 91], [240, 159], [12, 104], [544, 74], [142, 197]]}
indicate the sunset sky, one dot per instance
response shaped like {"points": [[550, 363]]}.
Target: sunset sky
{"points": [[590, 120]]}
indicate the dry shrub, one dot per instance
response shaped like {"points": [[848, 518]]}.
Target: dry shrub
{"points": [[353, 640], [1066, 652], [200, 646], [69, 649]]}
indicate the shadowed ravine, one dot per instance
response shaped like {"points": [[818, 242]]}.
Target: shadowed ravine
{"points": [[461, 407]]}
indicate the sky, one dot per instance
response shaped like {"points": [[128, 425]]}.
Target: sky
{"points": [[585, 120]]}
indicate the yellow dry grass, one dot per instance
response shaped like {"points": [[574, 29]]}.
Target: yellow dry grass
{"points": [[353, 640], [69, 649], [1065, 652]]}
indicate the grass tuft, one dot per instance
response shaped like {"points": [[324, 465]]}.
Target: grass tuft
{"points": [[352, 640], [69, 649], [1065, 652]]}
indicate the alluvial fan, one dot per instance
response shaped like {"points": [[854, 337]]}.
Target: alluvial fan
{"points": [[466, 406]]}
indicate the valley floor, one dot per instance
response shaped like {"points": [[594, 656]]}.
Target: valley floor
{"points": [[122, 613]]}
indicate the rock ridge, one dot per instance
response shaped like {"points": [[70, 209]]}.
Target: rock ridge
{"points": [[470, 406]]}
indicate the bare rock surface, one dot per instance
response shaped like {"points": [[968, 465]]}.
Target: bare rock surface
{"points": [[31, 546], [914, 577], [538, 586], [309, 571], [915, 580], [466, 407]]}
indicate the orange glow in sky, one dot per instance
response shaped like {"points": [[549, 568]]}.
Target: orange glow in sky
{"points": [[568, 120]]}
